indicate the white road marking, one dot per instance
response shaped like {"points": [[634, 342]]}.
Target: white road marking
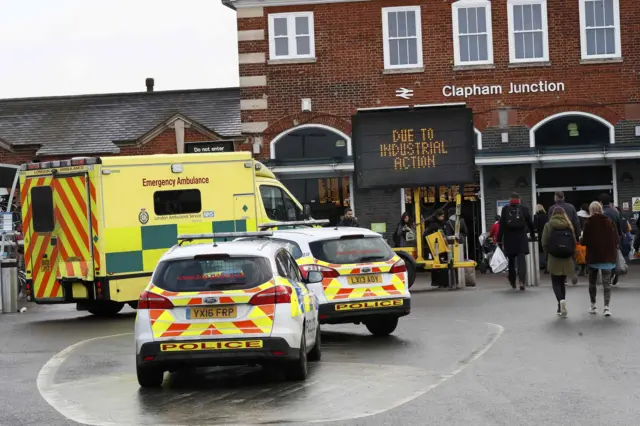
{"points": [[56, 397]]}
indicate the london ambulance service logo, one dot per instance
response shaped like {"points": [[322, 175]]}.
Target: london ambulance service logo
{"points": [[143, 217]]}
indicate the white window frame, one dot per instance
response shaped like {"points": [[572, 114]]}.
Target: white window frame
{"points": [[385, 36], [512, 35], [616, 31], [291, 36], [456, 36]]}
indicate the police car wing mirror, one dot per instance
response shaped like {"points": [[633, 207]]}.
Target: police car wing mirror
{"points": [[314, 277]]}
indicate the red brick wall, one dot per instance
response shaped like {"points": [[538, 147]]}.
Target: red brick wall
{"points": [[348, 73], [164, 143]]}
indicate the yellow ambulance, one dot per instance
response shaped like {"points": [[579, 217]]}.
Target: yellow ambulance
{"points": [[94, 228]]}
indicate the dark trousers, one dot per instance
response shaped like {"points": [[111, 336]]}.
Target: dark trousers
{"points": [[606, 284], [519, 261], [559, 289]]}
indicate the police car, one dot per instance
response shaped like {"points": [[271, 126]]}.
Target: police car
{"points": [[229, 303], [363, 279]]}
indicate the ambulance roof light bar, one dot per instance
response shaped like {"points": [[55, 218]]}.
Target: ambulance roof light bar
{"points": [[212, 236], [294, 223], [76, 161]]}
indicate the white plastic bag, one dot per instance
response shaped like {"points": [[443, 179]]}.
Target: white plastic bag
{"points": [[621, 264], [498, 261]]}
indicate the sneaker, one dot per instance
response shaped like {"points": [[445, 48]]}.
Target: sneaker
{"points": [[563, 307], [558, 312], [607, 311], [593, 310], [574, 280]]}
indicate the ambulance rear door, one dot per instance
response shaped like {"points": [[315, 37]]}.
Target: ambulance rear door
{"points": [[73, 236], [39, 227]]}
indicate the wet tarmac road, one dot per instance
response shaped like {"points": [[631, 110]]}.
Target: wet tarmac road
{"points": [[485, 356]]}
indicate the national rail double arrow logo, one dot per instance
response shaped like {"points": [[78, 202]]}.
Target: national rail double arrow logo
{"points": [[404, 93]]}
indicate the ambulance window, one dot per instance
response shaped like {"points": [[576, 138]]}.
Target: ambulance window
{"points": [[278, 205], [42, 209], [179, 201]]}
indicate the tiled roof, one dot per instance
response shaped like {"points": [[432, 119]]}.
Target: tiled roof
{"points": [[93, 124]]}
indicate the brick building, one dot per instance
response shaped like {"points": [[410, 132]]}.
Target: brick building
{"points": [[553, 85], [148, 122]]}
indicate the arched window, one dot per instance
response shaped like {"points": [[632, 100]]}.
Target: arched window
{"points": [[570, 130], [312, 142]]}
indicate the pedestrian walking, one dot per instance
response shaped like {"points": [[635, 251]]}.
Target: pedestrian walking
{"points": [[572, 214], [540, 219], [514, 221], [450, 226], [583, 215], [439, 277], [559, 243], [495, 229], [349, 219], [601, 239], [404, 231]]}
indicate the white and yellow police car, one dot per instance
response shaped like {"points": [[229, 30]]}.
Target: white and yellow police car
{"points": [[363, 279], [227, 303]]}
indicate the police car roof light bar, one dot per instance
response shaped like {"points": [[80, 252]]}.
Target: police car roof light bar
{"points": [[294, 223]]}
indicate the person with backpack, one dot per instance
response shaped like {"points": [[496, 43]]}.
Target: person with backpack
{"points": [[559, 244], [514, 221], [601, 238]]}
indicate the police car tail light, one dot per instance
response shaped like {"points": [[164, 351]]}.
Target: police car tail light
{"points": [[326, 272], [277, 294], [153, 301], [398, 267]]}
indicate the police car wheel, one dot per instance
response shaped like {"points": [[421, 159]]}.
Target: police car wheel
{"points": [[382, 326], [316, 353], [149, 377], [297, 370]]}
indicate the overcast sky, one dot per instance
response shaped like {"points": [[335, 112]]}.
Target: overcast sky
{"points": [[70, 47]]}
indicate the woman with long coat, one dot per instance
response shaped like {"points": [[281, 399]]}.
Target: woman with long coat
{"points": [[559, 268]]}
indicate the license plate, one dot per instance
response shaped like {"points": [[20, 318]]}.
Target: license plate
{"points": [[213, 312], [365, 279]]}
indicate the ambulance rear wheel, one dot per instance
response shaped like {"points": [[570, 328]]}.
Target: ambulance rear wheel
{"points": [[105, 309], [299, 369], [382, 326], [149, 377], [411, 273]]}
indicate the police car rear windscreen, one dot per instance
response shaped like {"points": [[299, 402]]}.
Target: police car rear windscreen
{"points": [[351, 249], [212, 273], [405, 148]]}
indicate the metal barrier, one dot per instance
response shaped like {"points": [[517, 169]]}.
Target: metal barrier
{"points": [[9, 285], [533, 264]]}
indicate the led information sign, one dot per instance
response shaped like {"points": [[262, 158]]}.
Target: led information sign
{"points": [[417, 147]]}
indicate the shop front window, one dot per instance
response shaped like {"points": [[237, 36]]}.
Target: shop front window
{"points": [[327, 197]]}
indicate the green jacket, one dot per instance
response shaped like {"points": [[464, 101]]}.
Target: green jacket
{"points": [[557, 266]]}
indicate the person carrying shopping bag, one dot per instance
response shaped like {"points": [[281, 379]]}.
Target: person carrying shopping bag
{"points": [[559, 244], [601, 238]]}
